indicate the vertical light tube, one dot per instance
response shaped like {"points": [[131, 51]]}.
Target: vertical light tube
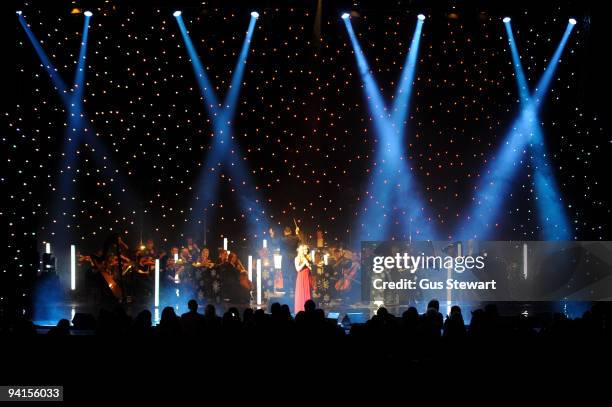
{"points": [[225, 243], [265, 243], [72, 267], [258, 282], [48, 248], [156, 283], [525, 261], [250, 268]]}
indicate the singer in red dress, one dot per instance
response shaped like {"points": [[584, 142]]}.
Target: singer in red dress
{"points": [[302, 282]]}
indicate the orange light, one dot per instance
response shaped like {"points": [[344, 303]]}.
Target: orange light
{"points": [[75, 10]]}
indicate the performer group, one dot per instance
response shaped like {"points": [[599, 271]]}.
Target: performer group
{"points": [[118, 272]]}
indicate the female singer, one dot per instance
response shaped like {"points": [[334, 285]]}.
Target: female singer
{"points": [[302, 282]]}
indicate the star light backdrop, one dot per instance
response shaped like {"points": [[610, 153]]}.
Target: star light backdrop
{"points": [[303, 139]]}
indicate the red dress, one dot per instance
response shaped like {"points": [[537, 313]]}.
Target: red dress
{"points": [[302, 289]]}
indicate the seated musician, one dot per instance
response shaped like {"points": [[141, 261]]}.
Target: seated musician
{"points": [[242, 291], [186, 260], [174, 266], [203, 278], [229, 277], [194, 250], [338, 263], [146, 258], [348, 284]]}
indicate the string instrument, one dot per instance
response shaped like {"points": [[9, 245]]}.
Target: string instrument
{"points": [[126, 264], [344, 283], [108, 277], [112, 284], [146, 265], [245, 282], [203, 263]]}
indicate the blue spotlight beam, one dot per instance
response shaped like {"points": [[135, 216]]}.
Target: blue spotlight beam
{"points": [[231, 98], [400, 104], [391, 181], [225, 153], [58, 83], [79, 77], [495, 183], [551, 211], [521, 80], [78, 130], [206, 88]]}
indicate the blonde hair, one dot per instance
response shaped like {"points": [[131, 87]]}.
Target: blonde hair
{"points": [[300, 252]]}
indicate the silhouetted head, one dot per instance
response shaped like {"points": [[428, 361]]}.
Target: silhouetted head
{"points": [[275, 308], [491, 310], [411, 314], [63, 324], [310, 306], [192, 305], [435, 304], [168, 314], [285, 310], [455, 309], [143, 319]]}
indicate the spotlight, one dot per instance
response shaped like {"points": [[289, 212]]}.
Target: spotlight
{"points": [[506, 19], [88, 14], [345, 16], [254, 14], [177, 13], [572, 21], [18, 12], [421, 17]]}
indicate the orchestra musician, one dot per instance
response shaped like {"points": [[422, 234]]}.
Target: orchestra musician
{"points": [[289, 244], [194, 250], [242, 290], [203, 276], [228, 276], [145, 261]]}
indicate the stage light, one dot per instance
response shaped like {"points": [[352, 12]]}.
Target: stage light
{"points": [[391, 185], [572, 21], [506, 19], [156, 298], [225, 243], [88, 13], [48, 248], [258, 282], [177, 13], [78, 126], [224, 149], [265, 244], [345, 16], [525, 252], [278, 259], [421, 17], [250, 268], [254, 14], [19, 12], [72, 267], [525, 130]]}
